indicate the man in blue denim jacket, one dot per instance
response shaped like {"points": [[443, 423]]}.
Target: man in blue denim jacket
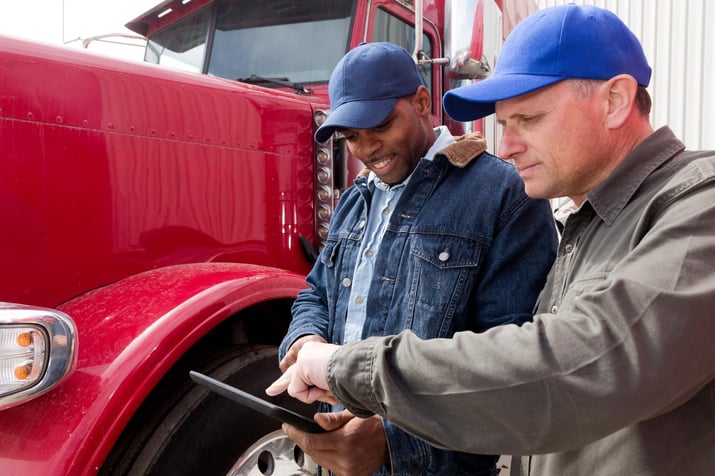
{"points": [[439, 237]]}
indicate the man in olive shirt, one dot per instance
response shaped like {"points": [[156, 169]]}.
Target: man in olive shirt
{"points": [[616, 374]]}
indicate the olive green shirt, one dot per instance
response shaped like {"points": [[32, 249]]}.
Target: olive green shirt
{"points": [[616, 375]]}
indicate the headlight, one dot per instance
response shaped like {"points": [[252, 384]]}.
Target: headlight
{"points": [[37, 351]]}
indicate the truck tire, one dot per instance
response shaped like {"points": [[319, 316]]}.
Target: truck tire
{"points": [[185, 429]]}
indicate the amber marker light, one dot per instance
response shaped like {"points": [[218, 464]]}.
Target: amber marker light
{"points": [[24, 339], [22, 372]]}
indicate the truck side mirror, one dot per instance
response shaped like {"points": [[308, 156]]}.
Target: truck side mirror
{"points": [[464, 36]]}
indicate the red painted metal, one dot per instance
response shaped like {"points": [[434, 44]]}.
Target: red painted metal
{"points": [[115, 168]]}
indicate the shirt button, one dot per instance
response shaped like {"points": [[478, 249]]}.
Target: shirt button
{"points": [[347, 282], [568, 248], [359, 299], [386, 211], [554, 309], [361, 224], [443, 256], [369, 253]]}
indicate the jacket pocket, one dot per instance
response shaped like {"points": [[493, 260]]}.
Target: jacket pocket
{"points": [[445, 270]]}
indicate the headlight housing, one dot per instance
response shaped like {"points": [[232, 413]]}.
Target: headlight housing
{"points": [[38, 349]]}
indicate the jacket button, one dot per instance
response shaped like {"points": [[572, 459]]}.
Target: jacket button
{"points": [[347, 282], [443, 256]]}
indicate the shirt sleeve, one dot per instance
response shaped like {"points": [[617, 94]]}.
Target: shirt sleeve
{"points": [[309, 311]]}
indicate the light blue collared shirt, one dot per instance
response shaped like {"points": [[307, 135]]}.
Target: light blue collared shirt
{"points": [[384, 199]]}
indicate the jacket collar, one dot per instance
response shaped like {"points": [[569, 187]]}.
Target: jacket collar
{"points": [[465, 149]]}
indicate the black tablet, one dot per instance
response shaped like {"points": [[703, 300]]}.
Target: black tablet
{"points": [[254, 403]]}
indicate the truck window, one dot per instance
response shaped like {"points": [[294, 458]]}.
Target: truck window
{"points": [[292, 41], [183, 44], [390, 28]]}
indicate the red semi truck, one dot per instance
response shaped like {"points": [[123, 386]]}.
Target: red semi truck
{"points": [[160, 218]]}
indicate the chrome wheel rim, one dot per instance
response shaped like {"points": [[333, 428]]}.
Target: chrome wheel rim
{"points": [[274, 455]]}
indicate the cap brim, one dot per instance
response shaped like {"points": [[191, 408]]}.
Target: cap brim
{"points": [[476, 100], [355, 115]]}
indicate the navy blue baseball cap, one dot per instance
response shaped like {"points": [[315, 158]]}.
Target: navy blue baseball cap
{"points": [[564, 42], [366, 84]]}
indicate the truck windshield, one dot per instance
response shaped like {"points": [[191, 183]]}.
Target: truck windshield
{"points": [[284, 40]]}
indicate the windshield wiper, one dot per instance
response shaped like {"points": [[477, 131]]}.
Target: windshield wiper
{"points": [[284, 81]]}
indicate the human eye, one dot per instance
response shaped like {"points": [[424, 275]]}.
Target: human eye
{"points": [[349, 135], [529, 120], [383, 126]]}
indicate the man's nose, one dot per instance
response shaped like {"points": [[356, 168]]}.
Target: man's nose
{"points": [[509, 144], [367, 144]]}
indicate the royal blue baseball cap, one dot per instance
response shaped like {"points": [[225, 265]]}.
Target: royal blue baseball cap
{"points": [[564, 42], [366, 84]]}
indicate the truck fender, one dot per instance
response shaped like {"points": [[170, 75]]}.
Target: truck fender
{"points": [[120, 360]]}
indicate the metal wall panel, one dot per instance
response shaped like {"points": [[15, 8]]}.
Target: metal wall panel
{"points": [[678, 37]]}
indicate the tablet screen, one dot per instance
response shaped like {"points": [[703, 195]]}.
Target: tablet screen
{"points": [[257, 404]]}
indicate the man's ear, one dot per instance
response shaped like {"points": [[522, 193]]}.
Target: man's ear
{"points": [[423, 101], [621, 90]]}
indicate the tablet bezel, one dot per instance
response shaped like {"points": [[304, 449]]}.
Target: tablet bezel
{"points": [[257, 404]]}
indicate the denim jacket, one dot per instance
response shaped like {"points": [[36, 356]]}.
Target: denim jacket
{"points": [[465, 249]]}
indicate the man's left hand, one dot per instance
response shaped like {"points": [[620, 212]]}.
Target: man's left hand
{"points": [[351, 447]]}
